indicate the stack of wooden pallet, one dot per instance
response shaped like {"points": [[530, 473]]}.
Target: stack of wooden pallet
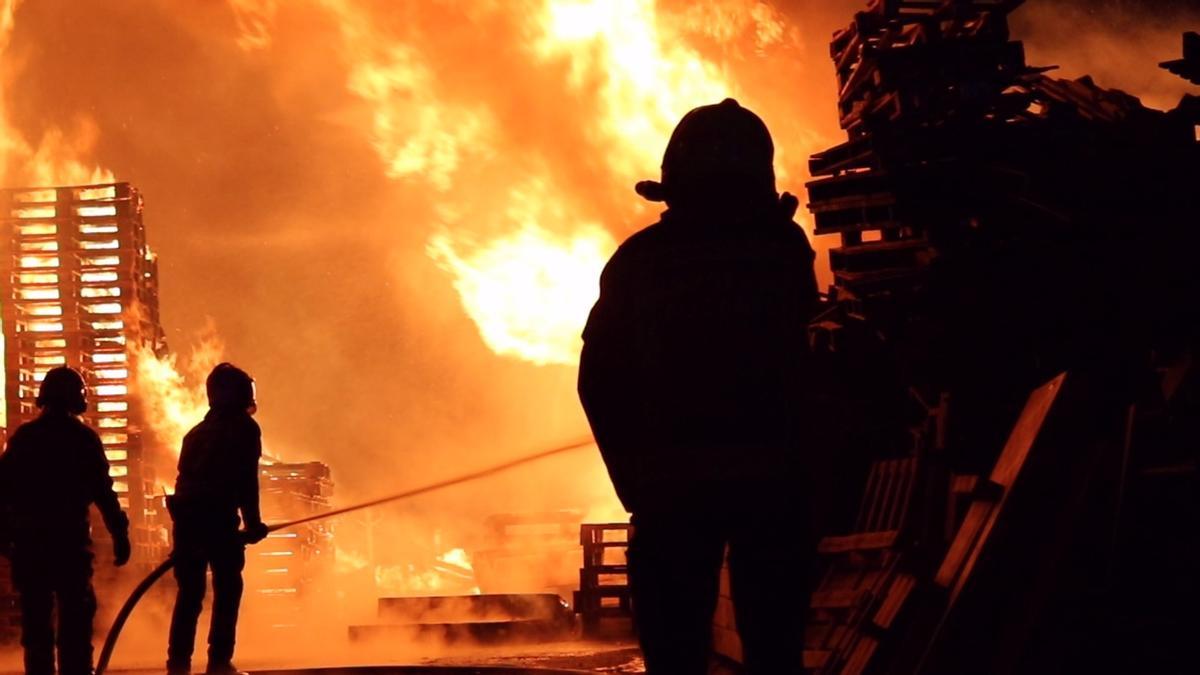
{"points": [[603, 593]]}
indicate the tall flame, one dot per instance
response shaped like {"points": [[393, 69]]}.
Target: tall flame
{"points": [[529, 291], [649, 77], [57, 159], [172, 391], [524, 251]]}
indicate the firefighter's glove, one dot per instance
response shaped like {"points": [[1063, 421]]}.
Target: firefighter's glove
{"points": [[255, 532], [122, 548]]}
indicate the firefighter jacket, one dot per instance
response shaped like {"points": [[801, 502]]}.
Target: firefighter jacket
{"points": [[53, 470], [218, 471], [693, 366]]}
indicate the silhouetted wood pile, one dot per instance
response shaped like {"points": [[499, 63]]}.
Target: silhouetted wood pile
{"points": [[999, 227], [603, 593], [1189, 66]]}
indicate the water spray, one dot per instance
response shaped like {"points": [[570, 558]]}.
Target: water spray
{"points": [[114, 633]]}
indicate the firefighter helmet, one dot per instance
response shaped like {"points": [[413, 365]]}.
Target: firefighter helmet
{"points": [[230, 387], [63, 387], [715, 148]]}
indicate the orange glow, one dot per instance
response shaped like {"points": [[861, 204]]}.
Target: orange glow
{"points": [[92, 211], [104, 308], [92, 228], [45, 327], [36, 229], [35, 212], [31, 261]]}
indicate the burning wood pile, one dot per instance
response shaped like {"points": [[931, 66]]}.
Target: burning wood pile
{"points": [[81, 289]]}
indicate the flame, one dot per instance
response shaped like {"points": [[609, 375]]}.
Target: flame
{"points": [[650, 77], [524, 250], [172, 392], [56, 159], [529, 292], [414, 131], [450, 572]]}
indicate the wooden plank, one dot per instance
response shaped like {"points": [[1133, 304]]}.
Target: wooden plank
{"points": [[865, 541], [893, 601], [838, 598]]}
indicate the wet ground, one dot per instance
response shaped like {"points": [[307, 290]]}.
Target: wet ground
{"points": [[568, 657], [594, 657], [587, 657], [565, 657]]}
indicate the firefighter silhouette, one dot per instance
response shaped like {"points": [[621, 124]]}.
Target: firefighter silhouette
{"points": [[693, 378], [53, 469], [218, 478]]}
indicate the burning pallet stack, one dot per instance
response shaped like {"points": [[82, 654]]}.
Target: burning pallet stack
{"points": [[289, 563], [997, 227], [80, 288], [604, 595]]}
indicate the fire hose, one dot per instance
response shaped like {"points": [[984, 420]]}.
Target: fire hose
{"points": [[114, 633]]}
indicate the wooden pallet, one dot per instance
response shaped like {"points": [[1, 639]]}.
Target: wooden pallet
{"points": [[604, 577], [864, 587]]}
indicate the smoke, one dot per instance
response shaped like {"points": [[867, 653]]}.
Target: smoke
{"points": [[1118, 43]]}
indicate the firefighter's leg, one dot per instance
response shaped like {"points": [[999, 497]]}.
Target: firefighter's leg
{"points": [[76, 611], [37, 627], [770, 556], [190, 568], [674, 571], [227, 565]]}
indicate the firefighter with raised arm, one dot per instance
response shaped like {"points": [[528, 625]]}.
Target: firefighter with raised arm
{"points": [[218, 479], [695, 380], [53, 470]]}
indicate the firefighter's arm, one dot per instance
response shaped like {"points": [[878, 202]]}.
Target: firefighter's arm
{"points": [[806, 256], [105, 498], [605, 386], [252, 520]]}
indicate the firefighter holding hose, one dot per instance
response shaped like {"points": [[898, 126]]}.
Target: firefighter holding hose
{"points": [[694, 379], [218, 479], [53, 470]]}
